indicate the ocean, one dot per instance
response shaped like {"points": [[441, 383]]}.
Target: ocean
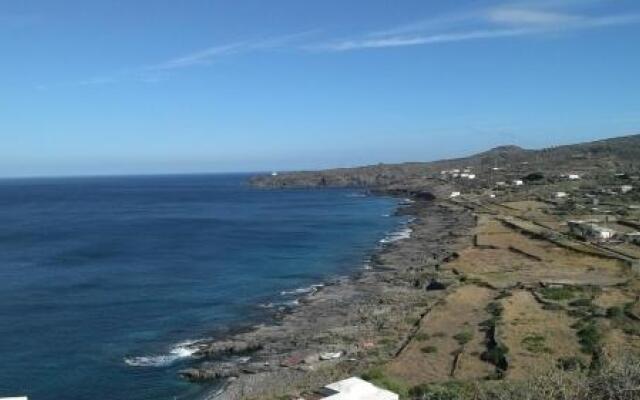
{"points": [[104, 280]]}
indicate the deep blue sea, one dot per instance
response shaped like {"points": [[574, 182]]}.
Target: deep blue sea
{"points": [[102, 279]]}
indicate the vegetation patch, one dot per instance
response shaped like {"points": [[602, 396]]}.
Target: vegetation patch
{"points": [[445, 391], [536, 344], [559, 293], [378, 377], [589, 337], [429, 349], [463, 337], [571, 363]]}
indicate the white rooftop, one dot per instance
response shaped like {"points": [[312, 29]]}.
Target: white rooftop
{"points": [[357, 389]]}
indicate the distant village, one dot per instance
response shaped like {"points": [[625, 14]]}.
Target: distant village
{"points": [[599, 208]]}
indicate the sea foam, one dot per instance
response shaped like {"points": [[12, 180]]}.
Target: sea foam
{"points": [[181, 350]]}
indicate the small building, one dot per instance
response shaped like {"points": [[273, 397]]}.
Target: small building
{"points": [[588, 230], [501, 183], [454, 194], [560, 195], [355, 389], [274, 173], [573, 177], [518, 182], [625, 189], [471, 176]]}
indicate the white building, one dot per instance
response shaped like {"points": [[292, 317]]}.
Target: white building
{"points": [[573, 177], [454, 194], [472, 176], [518, 182], [356, 389], [560, 195], [625, 189], [588, 230]]}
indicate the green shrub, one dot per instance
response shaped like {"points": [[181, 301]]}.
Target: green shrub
{"points": [[589, 338], [445, 391], [558, 294], [378, 377], [494, 308], [463, 337], [429, 349], [581, 303], [496, 355], [536, 344], [615, 312]]}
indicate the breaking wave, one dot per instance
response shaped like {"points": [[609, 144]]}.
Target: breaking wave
{"points": [[181, 350], [404, 233]]}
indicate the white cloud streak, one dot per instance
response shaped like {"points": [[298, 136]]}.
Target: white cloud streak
{"points": [[491, 23], [209, 55]]}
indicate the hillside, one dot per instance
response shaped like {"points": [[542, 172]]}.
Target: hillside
{"points": [[500, 163]]}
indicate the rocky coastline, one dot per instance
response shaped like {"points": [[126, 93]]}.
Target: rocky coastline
{"points": [[348, 325]]}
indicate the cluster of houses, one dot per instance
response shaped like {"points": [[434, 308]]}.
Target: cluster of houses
{"points": [[455, 173]]}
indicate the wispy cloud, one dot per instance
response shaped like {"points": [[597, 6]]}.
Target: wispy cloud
{"points": [[490, 23], [158, 72], [210, 54]]}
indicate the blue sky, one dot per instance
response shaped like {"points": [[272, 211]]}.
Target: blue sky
{"points": [[150, 86]]}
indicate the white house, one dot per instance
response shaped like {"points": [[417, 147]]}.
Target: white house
{"points": [[454, 194], [573, 177], [356, 389], [625, 189], [471, 176], [560, 195], [590, 231], [518, 182]]}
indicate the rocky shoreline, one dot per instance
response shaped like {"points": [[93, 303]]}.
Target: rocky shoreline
{"points": [[346, 326]]}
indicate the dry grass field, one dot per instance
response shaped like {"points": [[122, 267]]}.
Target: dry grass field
{"points": [[551, 300]]}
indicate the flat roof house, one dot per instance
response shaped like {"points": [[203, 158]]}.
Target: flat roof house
{"points": [[588, 230], [356, 389]]}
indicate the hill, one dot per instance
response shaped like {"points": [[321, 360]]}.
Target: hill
{"points": [[500, 163]]}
